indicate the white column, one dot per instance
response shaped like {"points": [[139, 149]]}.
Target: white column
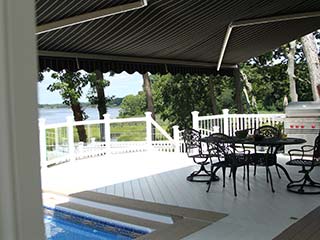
{"points": [[176, 138], [42, 142], [70, 138], [225, 121], [195, 120], [148, 130], [21, 214], [107, 132]]}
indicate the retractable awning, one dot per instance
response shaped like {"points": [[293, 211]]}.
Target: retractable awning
{"points": [[177, 36]]}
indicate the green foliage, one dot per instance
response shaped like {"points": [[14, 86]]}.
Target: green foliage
{"points": [[177, 96], [92, 94], [133, 105], [70, 85]]}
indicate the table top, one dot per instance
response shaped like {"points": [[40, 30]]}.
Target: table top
{"points": [[251, 140]]}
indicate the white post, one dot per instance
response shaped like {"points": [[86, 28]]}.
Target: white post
{"points": [[107, 132], [148, 130], [225, 121], [42, 142], [70, 138], [176, 138], [56, 138], [195, 120]]}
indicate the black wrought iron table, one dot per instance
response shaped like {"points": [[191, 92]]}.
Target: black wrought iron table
{"points": [[273, 145]]}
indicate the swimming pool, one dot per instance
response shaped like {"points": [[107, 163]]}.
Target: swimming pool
{"points": [[62, 225]]}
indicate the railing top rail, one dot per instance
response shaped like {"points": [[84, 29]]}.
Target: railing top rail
{"points": [[55, 125], [210, 117], [123, 120], [263, 115], [266, 115], [87, 122]]}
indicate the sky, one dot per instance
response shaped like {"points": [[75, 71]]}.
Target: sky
{"points": [[120, 85]]}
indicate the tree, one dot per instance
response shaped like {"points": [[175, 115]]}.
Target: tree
{"points": [[69, 85], [133, 105], [176, 96], [148, 92], [311, 53], [213, 98], [96, 95], [290, 70]]}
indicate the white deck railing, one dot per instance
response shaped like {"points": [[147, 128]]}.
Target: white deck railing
{"points": [[60, 142], [230, 123]]}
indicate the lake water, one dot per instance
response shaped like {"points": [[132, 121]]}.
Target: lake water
{"points": [[58, 115]]}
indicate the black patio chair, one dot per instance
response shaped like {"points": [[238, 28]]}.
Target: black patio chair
{"points": [[265, 158], [229, 156], [198, 152], [305, 185]]}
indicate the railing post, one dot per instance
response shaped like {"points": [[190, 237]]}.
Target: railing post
{"points": [[107, 132], [148, 130], [225, 121], [56, 138], [195, 120], [176, 138], [70, 138], [42, 142]]}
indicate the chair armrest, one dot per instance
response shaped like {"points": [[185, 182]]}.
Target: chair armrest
{"points": [[297, 151], [307, 148]]}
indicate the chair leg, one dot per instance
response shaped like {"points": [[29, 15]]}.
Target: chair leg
{"points": [[224, 176], [230, 172], [278, 172], [234, 171], [194, 174], [212, 176], [255, 170], [269, 174], [244, 172], [248, 177]]}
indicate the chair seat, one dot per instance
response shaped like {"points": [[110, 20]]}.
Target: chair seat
{"points": [[301, 162]]}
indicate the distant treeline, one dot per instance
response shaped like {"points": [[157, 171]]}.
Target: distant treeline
{"points": [[113, 103]]}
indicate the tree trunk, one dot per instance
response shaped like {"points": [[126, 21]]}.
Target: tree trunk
{"points": [[78, 116], [247, 89], [147, 88], [238, 89], [102, 103], [213, 97], [311, 53], [290, 71]]}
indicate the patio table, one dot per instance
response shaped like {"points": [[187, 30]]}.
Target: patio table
{"points": [[273, 145]]}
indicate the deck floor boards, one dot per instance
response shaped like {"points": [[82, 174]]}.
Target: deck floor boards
{"points": [[256, 214]]}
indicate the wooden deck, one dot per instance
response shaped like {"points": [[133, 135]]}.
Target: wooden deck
{"points": [[161, 178], [258, 214]]}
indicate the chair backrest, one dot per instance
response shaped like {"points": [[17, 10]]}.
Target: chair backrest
{"points": [[316, 149], [221, 143], [191, 138], [267, 131]]}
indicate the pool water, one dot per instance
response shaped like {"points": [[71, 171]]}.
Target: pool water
{"points": [[60, 225]]}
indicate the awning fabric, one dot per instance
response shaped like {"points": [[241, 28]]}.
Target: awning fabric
{"points": [[167, 30]]}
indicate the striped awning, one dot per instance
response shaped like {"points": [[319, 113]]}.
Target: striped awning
{"points": [[177, 36]]}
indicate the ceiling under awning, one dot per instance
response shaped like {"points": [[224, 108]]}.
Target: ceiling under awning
{"points": [[177, 36]]}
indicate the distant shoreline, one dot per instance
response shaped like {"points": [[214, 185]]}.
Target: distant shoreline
{"points": [[115, 103]]}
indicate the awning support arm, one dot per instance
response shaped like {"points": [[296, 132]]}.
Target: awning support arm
{"points": [[86, 17], [250, 22]]}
